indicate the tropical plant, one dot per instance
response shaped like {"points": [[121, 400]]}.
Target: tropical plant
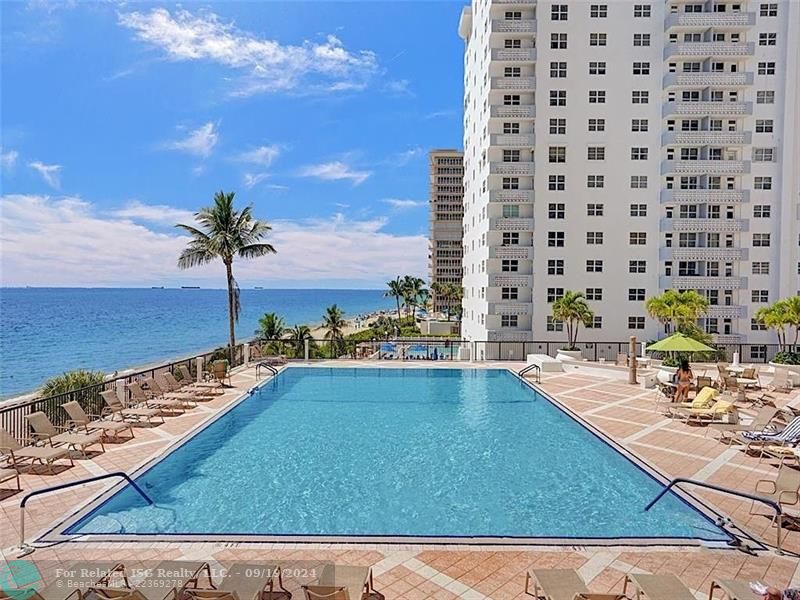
{"points": [[450, 294], [779, 316], [413, 292], [270, 327], [225, 233], [572, 310], [333, 321], [298, 335], [71, 380], [678, 310], [394, 289]]}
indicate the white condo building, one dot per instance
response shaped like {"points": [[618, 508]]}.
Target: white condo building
{"points": [[622, 148]]}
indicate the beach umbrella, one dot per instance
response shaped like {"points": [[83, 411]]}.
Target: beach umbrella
{"points": [[679, 343]]}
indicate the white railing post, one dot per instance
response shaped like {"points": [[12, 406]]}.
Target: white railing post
{"points": [[246, 353], [307, 344], [120, 390], [200, 369]]}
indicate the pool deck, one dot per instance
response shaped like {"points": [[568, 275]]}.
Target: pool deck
{"points": [[600, 396]]}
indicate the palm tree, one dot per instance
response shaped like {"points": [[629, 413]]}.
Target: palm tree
{"points": [[413, 290], [333, 321], [271, 327], [677, 310], [449, 294], [299, 334], [572, 310], [792, 307], [225, 233], [394, 289]]}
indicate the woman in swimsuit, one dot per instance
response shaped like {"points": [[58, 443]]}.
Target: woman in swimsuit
{"points": [[684, 380]]}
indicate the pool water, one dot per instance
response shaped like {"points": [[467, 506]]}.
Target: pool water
{"points": [[398, 452]]}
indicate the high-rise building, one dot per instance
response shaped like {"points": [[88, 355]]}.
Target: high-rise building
{"points": [[447, 213], [624, 148]]}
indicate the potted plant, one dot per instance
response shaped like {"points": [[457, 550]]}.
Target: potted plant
{"points": [[572, 310]]}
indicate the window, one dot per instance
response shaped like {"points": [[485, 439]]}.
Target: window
{"points": [[758, 353], [638, 182], [554, 325], [639, 125], [768, 10], [512, 44], [638, 153], [594, 210], [757, 325], [597, 68], [766, 68], [558, 97], [559, 12], [594, 238], [598, 11], [636, 294], [641, 39], [512, 72], [761, 211], [641, 10], [760, 296], [637, 238], [557, 154], [555, 183], [596, 153], [767, 39], [511, 128], [596, 322], [637, 266], [511, 100], [761, 240], [555, 266], [597, 39], [554, 294], [763, 154], [509, 293], [762, 183], [509, 265], [640, 97], [594, 293], [511, 156], [595, 181], [508, 320], [558, 41], [597, 97], [510, 238], [641, 68], [558, 69], [764, 125], [760, 268], [635, 322], [510, 211], [555, 239], [594, 266], [558, 126], [510, 183], [638, 210], [765, 97], [555, 210], [597, 124]]}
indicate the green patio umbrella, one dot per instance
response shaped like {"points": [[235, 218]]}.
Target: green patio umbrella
{"points": [[679, 343]]}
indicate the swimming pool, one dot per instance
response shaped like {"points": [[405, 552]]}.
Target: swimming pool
{"points": [[394, 452]]}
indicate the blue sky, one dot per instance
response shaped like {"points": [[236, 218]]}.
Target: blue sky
{"points": [[119, 119]]}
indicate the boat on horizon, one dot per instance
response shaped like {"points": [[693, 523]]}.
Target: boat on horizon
{"points": [[190, 287]]}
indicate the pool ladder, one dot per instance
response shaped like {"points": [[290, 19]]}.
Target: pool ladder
{"points": [[536, 370]]}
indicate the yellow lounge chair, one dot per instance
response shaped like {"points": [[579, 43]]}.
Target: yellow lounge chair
{"points": [[720, 412]]}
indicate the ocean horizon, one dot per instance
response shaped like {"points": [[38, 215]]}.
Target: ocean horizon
{"points": [[45, 331]]}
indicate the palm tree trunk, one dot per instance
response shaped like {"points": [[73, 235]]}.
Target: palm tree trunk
{"points": [[397, 298], [231, 315]]}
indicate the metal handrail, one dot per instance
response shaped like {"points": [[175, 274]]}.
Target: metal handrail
{"points": [[24, 549], [771, 503], [536, 368], [264, 365]]}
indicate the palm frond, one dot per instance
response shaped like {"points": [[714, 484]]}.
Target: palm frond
{"points": [[194, 256], [256, 250]]}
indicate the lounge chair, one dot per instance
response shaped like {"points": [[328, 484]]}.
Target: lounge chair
{"points": [[343, 582], [44, 430], [8, 475], [561, 584], [187, 376], [244, 582], [136, 414], [789, 435], [201, 392], [657, 587], [703, 399], [780, 381], [703, 382], [733, 589], [153, 399], [220, 373], [79, 418], [168, 579], [784, 489], [722, 411], [760, 422], [67, 582], [17, 454]]}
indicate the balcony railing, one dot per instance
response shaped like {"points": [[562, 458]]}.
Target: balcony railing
{"points": [[515, 2], [704, 225], [512, 224], [514, 54], [515, 84], [523, 26], [511, 335], [513, 112], [706, 79], [709, 49], [702, 282], [513, 140], [522, 281], [509, 196], [711, 20], [511, 168], [706, 138], [723, 254], [515, 251], [711, 167], [727, 312], [706, 108], [705, 196], [510, 308]]}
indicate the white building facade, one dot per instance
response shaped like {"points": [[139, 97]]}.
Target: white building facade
{"points": [[624, 148]]}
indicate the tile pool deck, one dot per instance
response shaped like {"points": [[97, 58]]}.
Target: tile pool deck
{"points": [[600, 396]]}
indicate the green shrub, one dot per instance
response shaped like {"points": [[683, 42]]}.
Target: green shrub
{"points": [[71, 380], [787, 358]]}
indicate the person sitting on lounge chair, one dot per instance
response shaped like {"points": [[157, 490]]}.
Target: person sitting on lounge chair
{"points": [[684, 378], [774, 593]]}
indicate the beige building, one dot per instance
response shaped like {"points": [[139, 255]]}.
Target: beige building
{"points": [[447, 213]]}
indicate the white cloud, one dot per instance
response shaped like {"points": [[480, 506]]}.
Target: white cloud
{"points": [[92, 248], [198, 170], [399, 87], [403, 204], [268, 65], [8, 160], [199, 142], [277, 186], [440, 114], [154, 213], [263, 155], [250, 180], [334, 171], [50, 173], [403, 158]]}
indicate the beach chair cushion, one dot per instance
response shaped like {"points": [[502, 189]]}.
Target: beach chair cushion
{"points": [[704, 397], [791, 433]]}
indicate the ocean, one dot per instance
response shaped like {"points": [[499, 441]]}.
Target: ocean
{"points": [[46, 331]]}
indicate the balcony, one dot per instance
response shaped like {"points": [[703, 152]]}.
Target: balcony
{"points": [[504, 26], [708, 20], [728, 338], [727, 312], [514, 2], [513, 140], [709, 50], [703, 254], [510, 308], [509, 334], [701, 282], [707, 109], [511, 196], [514, 84], [707, 79], [522, 281], [511, 168], [511, 224], [706, 138], [704, 225], [513, 112], [514, 54], [704, 196], [516, 251], [702, 167]]}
